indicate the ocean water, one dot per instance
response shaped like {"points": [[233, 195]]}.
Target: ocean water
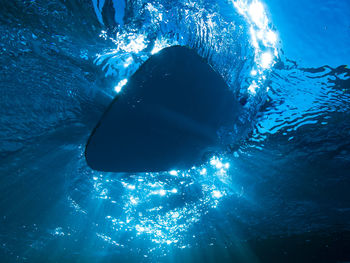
{"points": [[280, 193]]}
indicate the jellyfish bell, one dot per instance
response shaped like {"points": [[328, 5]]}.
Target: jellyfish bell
{"points": [[172, 114]]}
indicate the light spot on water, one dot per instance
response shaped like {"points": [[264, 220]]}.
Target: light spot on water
{"points": [[128, 62], [214, 160], [271, 37], [253, 72], [140, 228], [136, 43], [266, 60], [253, 87], [257, 13], [133, 200], [58, 231], [219, 165], [131, 187], [159, 44], [175, 215], [162, 192], [217, 194], [120, 85], [173, 172]]}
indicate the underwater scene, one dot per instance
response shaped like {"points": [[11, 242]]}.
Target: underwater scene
{"points": [[108, 109]]}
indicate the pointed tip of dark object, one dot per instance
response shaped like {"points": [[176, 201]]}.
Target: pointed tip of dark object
{"points": [[168, 116]]}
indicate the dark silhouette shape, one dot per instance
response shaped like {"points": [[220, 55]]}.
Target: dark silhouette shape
{"points": [[174, 111]]}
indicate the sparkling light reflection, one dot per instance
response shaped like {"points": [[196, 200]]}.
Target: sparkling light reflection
{"points": [[149, 207], [146, 205], [263, 39], [133, 48], [120, 85]]}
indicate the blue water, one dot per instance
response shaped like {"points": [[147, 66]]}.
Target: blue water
{"points": [[279, 195]]}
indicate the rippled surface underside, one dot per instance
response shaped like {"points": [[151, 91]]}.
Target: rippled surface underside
{"points": [[284, 185]]}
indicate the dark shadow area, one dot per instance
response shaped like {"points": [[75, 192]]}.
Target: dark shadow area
{"points": [[174, 111]]}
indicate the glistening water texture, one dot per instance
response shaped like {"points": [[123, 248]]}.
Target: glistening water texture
{"points": [[64, 61]]}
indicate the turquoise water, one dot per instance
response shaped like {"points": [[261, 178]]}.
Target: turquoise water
{"points": [[279, 194]]}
